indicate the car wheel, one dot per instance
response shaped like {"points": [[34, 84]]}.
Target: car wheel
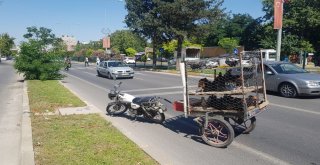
{"points": [[109, 76], [99, 74], [288, 90]]}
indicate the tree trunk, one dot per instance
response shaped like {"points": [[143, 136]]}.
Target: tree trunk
{"points": [[154, 56]]}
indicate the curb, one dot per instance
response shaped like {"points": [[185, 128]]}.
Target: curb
{"points": [[27, 153]]}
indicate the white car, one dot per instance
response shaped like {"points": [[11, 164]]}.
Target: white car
{"points": [[129, 60]]}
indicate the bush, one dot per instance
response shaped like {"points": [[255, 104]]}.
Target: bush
{"points": [[40, 58]]}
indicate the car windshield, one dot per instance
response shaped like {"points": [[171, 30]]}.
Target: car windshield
{"points": [[116, 64], [287, 68]]}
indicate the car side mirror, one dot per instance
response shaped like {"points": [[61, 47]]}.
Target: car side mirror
{"points": [[269, 72]]}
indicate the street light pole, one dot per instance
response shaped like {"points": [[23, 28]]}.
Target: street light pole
{"points": [[279, 4], [279, 36]]}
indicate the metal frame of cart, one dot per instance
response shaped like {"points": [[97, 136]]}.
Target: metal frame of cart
{"points": [[217, 125]]}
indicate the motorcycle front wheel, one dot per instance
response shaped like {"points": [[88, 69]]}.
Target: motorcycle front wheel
{"points": [[115, 108], [158, 117]]}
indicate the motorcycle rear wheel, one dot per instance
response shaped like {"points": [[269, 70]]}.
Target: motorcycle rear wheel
{"points": [[158, 117], [115, 108]]}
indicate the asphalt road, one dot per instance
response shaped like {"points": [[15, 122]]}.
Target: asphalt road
{"points": [[288, 133], [11, 89]]}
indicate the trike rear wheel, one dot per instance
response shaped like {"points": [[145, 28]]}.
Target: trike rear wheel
{"points": [[218, 132]]}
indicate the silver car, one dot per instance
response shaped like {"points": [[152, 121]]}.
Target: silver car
{"points": [[291, 80], [114, 69]]}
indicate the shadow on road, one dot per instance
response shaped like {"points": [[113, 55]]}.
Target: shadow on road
{"points": [[181, 125], [187, 126], [134, 119]]}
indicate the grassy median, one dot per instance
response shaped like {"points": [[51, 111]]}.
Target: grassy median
{"points": [[75, 139]]}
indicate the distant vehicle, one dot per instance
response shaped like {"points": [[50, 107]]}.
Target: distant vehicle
{"points": [[291, 80], [148, 59], [162, 59], [172, 61], [269, 54], [211, 64], [129, 60], [115, 69], [3, 58]]}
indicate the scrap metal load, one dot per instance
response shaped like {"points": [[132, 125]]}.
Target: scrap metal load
{"points": [[237, 88]]}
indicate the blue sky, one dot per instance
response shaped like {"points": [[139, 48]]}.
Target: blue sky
{"points": [[83, 19]]}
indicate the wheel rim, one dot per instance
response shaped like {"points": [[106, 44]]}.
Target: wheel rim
{"points": [[117, 108], [288, 90], [157, 116], [216, 132]]}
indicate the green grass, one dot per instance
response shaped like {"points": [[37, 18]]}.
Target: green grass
{"points": [[49, 95], [76, 139], [83, 139]]}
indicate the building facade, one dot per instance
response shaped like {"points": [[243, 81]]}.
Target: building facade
{"points": [[70, 41]]}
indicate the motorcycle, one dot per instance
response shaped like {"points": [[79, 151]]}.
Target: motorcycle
{"points": [[149, 107], [67, 66]]}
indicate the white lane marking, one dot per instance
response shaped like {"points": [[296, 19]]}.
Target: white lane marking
{"points": [[86, 81], [138, 78], [163, 93], [159, 94], [152, 89], [261, 154], [295, 109], [138, 73]]}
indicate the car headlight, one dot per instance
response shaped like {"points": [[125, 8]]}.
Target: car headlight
{"points": [[313, 83]]}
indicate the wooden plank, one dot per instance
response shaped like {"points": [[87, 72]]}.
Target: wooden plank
{"points": [[231, 92], [211, 109]]}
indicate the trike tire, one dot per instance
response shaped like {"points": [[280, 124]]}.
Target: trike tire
{"points": [[251, 126], [218, 133]]}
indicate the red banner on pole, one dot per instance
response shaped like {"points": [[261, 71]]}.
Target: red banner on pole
{"points": [[106, 42], [278, 12]]}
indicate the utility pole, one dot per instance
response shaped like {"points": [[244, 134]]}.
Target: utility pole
{"points": [[278, 16]]}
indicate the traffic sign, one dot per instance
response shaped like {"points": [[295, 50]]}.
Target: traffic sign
{"points": [[235, 51]]}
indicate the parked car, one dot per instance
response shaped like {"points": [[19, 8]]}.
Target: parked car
{"points": [[115, 69], [291, 80], [129, 60], [162, 59], [172, 61], [211, 63]]}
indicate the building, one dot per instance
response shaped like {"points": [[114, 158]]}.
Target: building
{"points": [[70, 41]]}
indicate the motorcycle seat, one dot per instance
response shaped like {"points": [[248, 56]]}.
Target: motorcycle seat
{"points": [[140, 100]]}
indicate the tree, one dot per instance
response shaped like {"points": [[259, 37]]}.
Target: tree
{"points": [[228, 44], [144, 59], [301, 18], [131, 52], [183, 18], [40, 56], [123, 39], [143, 19], [171, 47], [6, 43]]}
